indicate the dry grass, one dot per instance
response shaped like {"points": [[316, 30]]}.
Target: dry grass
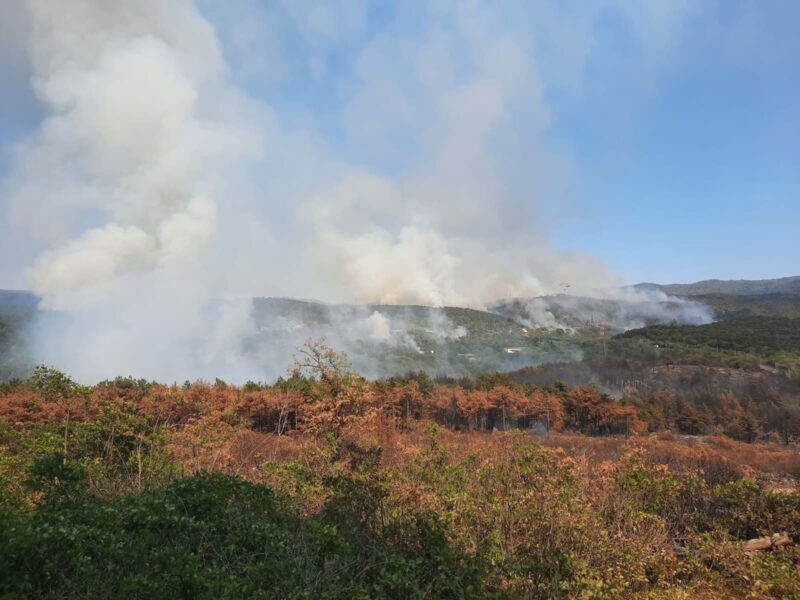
{"points": [[719, 458]]}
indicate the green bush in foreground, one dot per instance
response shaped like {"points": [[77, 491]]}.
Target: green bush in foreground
{"points": [[216, 536]]}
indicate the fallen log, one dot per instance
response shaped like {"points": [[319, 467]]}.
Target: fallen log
{"points": [[768, 542]]}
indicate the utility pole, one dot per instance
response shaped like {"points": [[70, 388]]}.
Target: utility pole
{"points": [[603, 338]]}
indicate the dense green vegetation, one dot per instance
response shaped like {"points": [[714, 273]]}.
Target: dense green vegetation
{"points": [[776, 338], [213, 535], [767, 305]]}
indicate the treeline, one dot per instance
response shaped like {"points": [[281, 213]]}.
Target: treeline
{"points": [[704, 414], [689, 399], [306, 404], [763, 336], [309, 404]]}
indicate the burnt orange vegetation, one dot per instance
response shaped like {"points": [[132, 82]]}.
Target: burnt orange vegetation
{"points": [[221, 426], [279, 411], [538, 492]]}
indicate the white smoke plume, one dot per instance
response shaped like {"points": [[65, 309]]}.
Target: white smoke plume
{"points": [[157, 195], [375, 338], [118, 184], [617, 309]]}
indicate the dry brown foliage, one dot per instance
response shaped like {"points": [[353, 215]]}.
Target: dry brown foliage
{"points": [[219, 426]]}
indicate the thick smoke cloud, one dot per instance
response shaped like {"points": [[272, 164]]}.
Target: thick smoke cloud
{"points": [[117, 184], [617, 309], [159, 192], [379, 340]]}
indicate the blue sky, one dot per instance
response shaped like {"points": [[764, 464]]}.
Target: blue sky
{"points": [[699, 177], [660, 138], [682, 136]]}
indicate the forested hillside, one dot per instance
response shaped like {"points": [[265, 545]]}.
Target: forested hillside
{"points": [[385, 340], [727, 306], [773, 338], [743, 287]]}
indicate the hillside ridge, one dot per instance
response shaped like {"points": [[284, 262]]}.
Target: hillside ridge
{"points": [[733, 287]]}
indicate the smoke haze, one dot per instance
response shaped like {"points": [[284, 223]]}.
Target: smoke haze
{"points": [[618, 309], [158, 194]]}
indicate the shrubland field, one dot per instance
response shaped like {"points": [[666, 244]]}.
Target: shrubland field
{"points": [[327, 485], [533, 462]]}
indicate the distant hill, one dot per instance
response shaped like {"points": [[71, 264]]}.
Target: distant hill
{"points": [[388, 339], [739, 287], [436, 322], [383, 340], [18, 298], [774, 338], [17, 310], [728, 306], [580, 314]]}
